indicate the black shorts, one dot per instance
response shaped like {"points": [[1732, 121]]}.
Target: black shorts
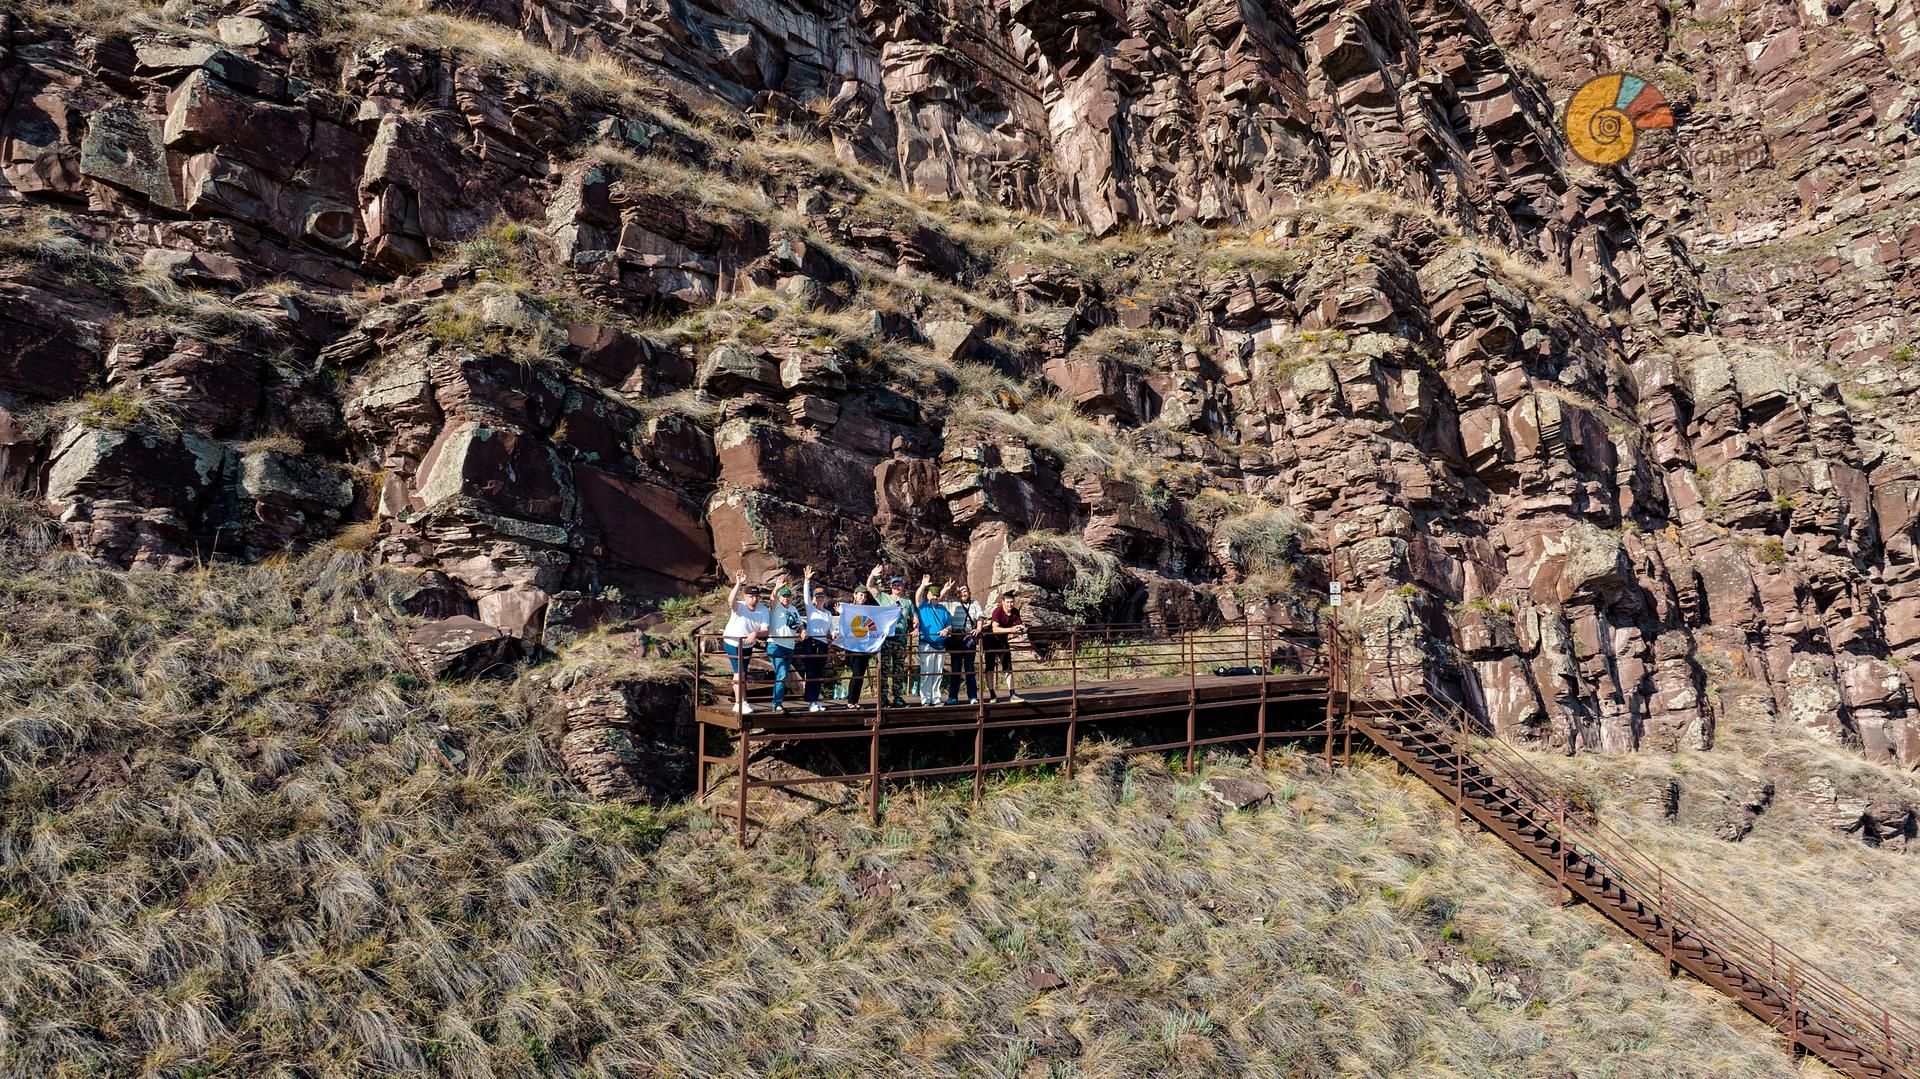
{"points": [[999, 657]]}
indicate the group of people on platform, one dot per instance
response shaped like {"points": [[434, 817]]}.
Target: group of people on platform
{"points": [[937, 645]]}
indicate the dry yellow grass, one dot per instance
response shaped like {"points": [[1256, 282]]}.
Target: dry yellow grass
{"points": [[99, 16], [231, 847]]}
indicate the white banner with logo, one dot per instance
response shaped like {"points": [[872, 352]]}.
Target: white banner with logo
{"points": [[863, 629]]}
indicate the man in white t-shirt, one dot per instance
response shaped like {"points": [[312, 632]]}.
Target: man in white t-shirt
{"points": [[747, 622]]}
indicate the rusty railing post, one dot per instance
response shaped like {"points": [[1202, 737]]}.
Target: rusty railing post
{"points": [[746, 737], [980, 739], [699, 672], [1793, 1014], [700, 735], [873, 776], [1666, 914], [873, 745], [1560, 816], [1260, 728], [1193, 696], [1073, 697], [1330, 648], [1460, 775]]}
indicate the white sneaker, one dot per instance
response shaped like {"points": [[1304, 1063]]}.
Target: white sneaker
{"points": [[973, 700], [743, 708], [816, 707]]}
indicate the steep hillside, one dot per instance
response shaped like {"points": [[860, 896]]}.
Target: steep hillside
{"points": [[241, 837], [326, 322], [1791, 177], [588, 307]]}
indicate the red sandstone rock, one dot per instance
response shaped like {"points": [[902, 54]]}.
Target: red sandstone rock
{"points": [[461, 647], [1551, 499]]}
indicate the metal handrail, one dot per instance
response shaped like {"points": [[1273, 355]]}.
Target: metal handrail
{"points": [[1120, 650], [1685, 907], [1063, 658]]}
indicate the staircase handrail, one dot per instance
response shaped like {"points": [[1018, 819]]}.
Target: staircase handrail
{"points": [[1683, 905]]}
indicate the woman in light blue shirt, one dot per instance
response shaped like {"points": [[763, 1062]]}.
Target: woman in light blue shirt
{"points": [[934, 620]]}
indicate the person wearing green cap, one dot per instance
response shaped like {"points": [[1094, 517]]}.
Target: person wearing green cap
{"points": [[785, 628]]}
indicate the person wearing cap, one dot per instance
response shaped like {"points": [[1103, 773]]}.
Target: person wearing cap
{"points": [[857, 662], [785, 629], [893, 655], [962, 641], [934, 622], [812, 649], [746, 623], [997, 634]]}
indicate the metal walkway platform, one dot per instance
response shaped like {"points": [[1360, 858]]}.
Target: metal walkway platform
{"points": [[1156, 687]]}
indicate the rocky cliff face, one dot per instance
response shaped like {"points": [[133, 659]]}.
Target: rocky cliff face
{"points": [[1163, 310], [1790, 179]]}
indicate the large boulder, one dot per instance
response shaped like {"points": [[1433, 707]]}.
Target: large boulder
{"points": [[641, 532], [461, 647], [290, 496], [50, 347], [505, 469], [136, 497], [623, 738]]}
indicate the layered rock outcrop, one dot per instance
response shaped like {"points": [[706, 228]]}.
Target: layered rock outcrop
{"points": [[1168, 313]]}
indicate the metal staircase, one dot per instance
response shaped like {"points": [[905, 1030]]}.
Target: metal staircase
{"points": [[1490, 782]]}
